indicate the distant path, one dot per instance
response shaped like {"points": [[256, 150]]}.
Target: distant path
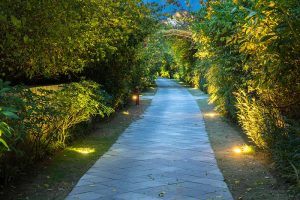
{"points": [[164, 155]]}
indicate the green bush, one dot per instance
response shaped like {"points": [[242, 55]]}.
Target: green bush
{"points": [[249, 50], [260, 122], [6, 113], [61, 41], [46, 39], [45, 120], [248, 56], [271, 131]]}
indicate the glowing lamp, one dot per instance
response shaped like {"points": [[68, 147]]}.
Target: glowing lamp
{"points": [[83, 150], [237, 150], [244, 149], [134, 97], [211, 114]]}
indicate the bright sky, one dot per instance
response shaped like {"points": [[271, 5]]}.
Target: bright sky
{"points": [[194, 4]]}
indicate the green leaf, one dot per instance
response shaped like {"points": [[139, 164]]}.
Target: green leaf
{"points": [[267, 37], [4, 90], [4, 143], [10, 114], [251, 14], [2, 18], [16, 22], [26, 39], [4, 129], [233, 10]]}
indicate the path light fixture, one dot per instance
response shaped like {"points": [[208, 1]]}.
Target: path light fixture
{"points": [[244, 149], [237, 150], [85, 150], [136, 96], [211, 114]]}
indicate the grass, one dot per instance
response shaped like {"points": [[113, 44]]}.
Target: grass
{"points": [[55, 177], [248, 173]]}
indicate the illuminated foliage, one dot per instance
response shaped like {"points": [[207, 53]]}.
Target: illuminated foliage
{"points": [[44, 42], [250, 52], [247, 54], [46, 119], [47, 39], [7, 113]]}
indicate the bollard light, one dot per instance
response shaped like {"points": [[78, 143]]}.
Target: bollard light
{"points": [[134, 97]]}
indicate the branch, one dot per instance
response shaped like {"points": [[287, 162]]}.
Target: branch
{"points": [[179, 33]]}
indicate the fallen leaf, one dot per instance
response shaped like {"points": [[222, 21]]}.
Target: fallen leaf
{"points": [[161, 194]]}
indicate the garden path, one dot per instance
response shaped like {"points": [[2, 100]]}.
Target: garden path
{"points": [[164, 155]]}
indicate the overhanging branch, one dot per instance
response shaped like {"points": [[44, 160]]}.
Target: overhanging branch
{"points": [[178, 33]]}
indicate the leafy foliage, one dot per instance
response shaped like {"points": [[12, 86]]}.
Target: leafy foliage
{"points": [[249, 50], [46, 39], [152, 55], [46, 118], [65, 41], [247, 54], [6, 113]]}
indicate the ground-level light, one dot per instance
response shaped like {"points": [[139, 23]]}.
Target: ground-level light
{"points": [[237, 150], [244, 149], [85, 150]]}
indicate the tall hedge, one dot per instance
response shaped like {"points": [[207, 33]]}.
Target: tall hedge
{"points": [[250, 50], [54, 40], [247, 56], [67, 41]]}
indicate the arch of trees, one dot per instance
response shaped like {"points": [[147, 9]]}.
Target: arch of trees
{"points": [[245, 54], [88, 49]]}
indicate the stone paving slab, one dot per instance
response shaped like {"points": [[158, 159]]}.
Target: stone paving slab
{"points": [[164, 155]]}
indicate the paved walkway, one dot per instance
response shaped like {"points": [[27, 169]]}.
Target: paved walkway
{"points": [[164, 155]]}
